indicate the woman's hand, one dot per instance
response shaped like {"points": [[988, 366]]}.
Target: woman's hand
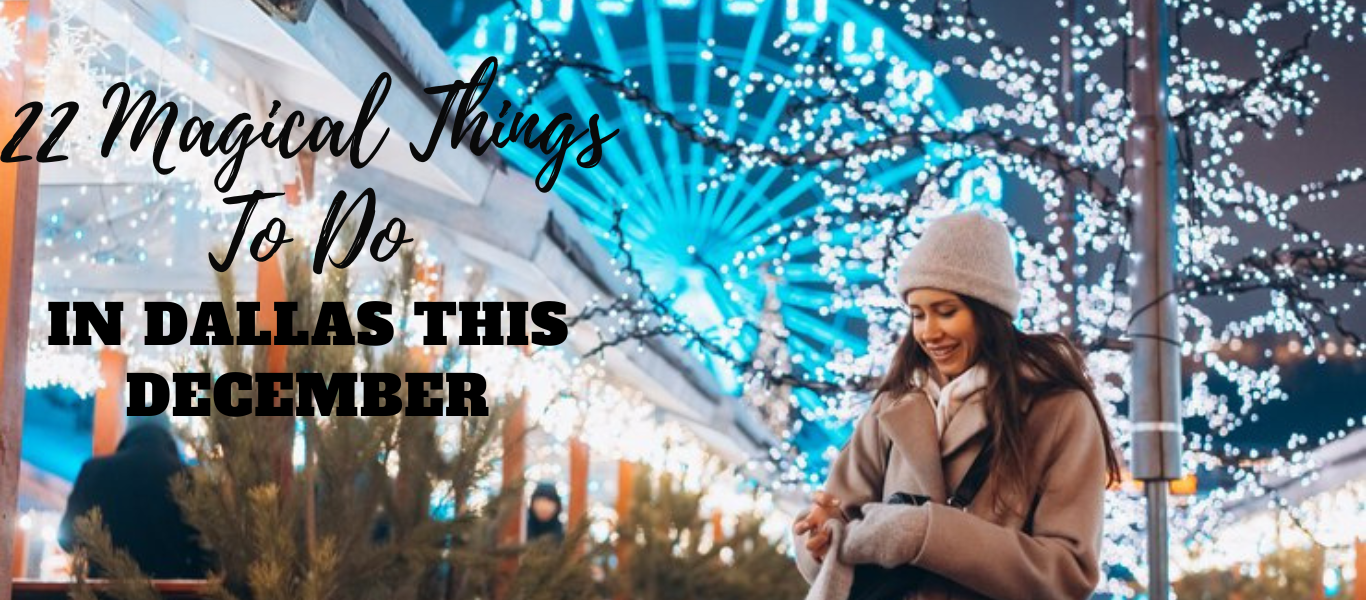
{"points": [[824, 507], [888, 535]]}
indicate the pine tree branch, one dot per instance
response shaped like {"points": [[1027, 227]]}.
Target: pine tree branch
{"points": [[126, 580]]}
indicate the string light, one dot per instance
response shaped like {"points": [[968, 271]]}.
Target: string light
{"points": [[9, 46], [869, 151], [844, 124]]}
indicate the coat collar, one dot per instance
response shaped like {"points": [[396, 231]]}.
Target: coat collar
{"points": [[969, 422], [959, 404], [909, 423], [970, 419]]}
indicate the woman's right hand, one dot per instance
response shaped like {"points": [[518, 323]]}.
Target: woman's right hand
{"points": [[823, 508]]}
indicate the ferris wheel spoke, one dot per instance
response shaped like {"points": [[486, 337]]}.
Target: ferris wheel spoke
{"points": [[752, 50], [659, 57]]}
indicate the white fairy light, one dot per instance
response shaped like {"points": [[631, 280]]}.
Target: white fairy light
{"points": [[1219, 203], [74, 369], [9, 46], [568, 397]]}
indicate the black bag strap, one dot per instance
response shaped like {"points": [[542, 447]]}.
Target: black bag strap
{"points": [[974, 478]]}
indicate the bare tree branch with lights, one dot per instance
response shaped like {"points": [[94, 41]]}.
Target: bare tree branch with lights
{"points": [[846, 123]]}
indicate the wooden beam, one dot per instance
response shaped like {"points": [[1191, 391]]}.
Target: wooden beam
{"points": [[167, 589], [626, 476], [578, 483], [510, 531], [578, 480], [718, 531], [18, 211], [410, 486], [1359, 586], [109, 404], [274, 358], [1318, 562], [19, 559], [514, 470]]}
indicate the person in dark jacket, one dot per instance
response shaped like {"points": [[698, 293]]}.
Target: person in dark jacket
{"points": [[132, 489], [543, 516]]}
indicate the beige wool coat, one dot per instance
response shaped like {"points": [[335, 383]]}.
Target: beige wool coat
{"points": [[1045, 549]]}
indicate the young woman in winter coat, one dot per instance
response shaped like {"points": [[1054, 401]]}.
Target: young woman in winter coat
{"points": [[963, 373]]}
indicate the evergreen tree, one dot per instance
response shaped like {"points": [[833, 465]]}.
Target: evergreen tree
{"points": [[559, 571], [665, 527], [759, 568], [382, 508], [359, 521]]}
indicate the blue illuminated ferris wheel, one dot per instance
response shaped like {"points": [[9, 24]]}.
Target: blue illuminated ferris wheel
{"points": [[700, 229]]}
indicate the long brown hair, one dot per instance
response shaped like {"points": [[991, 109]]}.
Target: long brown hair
{"points": [[1009, 353]]}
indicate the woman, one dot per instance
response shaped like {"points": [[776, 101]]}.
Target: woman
{"points": [[964, 374]]}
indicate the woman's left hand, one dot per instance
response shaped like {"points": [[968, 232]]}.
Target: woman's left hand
{"points": [[824, 507], [888, 535]]}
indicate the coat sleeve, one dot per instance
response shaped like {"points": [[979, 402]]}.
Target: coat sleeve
{"points": [[855, 479], [1060, 560]]}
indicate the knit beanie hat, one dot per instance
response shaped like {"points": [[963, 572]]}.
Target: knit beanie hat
{"points": [[965, 253]]}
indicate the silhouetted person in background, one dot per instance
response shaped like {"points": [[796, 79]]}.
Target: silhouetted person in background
{"points": [[132, 489], [543, 516]]}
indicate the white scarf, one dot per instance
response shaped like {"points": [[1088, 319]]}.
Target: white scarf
{"points": [[964, 388]]}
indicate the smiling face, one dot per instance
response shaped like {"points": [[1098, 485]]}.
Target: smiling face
{"points": [[945, 329]]}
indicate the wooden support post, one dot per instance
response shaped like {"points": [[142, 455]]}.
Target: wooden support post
{"points": [[20, 561], [18, 213], [292, 192], [297, 178], [270, 288], [1318, 562], [274, 358], [429, 281], [411, 488], [110, 411], [418, 444], [578, 483], [578, 480], [1359, 585], [718, 532], [430, 286], [307, 167], [514, 470], [626, 476]]}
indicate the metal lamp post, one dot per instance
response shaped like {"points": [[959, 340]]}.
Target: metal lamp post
{"points": [[1155, 384]]}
